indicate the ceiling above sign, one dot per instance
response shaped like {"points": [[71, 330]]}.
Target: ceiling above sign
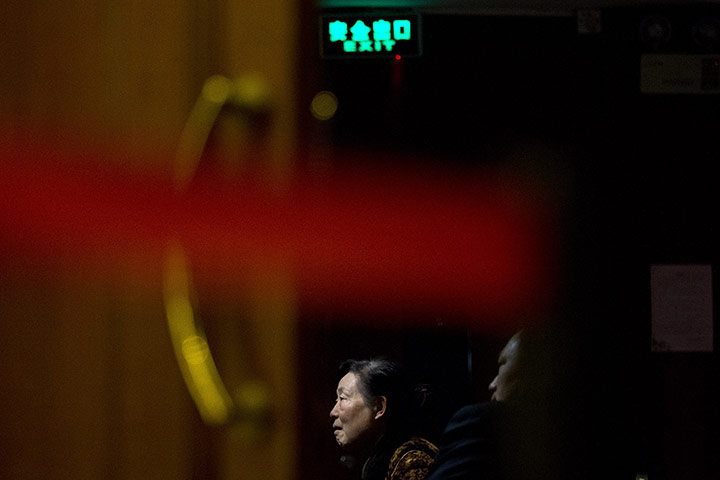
{"points": [[524, 7]]}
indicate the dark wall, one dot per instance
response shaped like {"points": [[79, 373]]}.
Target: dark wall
{"points": [[640, 189]]}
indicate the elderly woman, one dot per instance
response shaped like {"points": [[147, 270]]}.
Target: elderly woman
{"points": [[373, 420]]}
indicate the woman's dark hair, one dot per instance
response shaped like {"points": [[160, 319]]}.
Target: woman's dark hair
{"points": [[379, 377], [384, 377]]}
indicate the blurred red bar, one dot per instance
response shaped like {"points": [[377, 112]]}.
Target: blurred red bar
{"points": [[381, 239]]}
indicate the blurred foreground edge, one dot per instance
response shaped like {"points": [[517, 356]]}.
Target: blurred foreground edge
{"points": [[389, 239]]}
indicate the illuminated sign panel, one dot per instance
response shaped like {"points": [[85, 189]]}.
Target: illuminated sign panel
{"points": [[370, 36]]}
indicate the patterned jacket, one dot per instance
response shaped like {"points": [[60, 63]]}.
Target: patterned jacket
{"points": [[412, 460]]}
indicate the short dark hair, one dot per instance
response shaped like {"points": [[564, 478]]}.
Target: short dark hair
{"points": [[378, 377]]}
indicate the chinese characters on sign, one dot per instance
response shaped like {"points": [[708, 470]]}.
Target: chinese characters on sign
{"points": [[383, 35], [370, 36]]}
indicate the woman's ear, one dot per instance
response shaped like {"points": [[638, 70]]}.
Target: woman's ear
{"points": [[380, 407]]}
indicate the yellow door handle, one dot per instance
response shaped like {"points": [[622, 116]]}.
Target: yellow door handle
{"points": [[249, 403]]}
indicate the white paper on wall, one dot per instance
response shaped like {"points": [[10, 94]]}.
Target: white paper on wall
{"points": [[682, 308]]}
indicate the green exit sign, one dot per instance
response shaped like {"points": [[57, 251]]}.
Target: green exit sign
{"points": [[377, 35]]}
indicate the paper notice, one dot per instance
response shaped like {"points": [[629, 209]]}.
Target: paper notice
{"points": [[682, 308]]}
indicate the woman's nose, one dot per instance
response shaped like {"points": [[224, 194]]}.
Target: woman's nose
{"points": [[493, 385]]}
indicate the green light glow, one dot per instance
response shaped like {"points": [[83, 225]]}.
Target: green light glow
{"points": [[401, 29], [338, 31], [369, 35]]}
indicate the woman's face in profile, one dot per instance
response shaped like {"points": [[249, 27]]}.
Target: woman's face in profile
{"points": [[353, 420]]}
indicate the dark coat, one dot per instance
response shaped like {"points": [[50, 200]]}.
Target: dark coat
{"points": [[468, 448]]}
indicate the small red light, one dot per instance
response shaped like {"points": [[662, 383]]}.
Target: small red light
{"points": [[398, 57]]}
